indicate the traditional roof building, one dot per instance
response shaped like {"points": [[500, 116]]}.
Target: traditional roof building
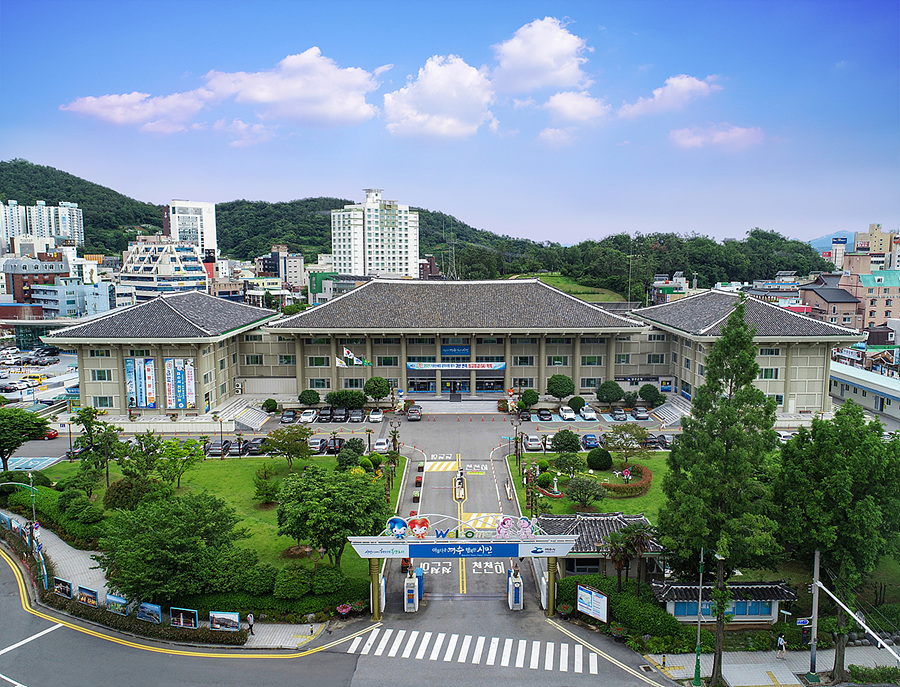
{"points": [[753, 603]]}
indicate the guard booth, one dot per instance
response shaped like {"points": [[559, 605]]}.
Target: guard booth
{"points": [[445, 536]]}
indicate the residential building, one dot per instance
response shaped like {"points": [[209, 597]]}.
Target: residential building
{"points": [[876, 293], [376, 237], [13, 222], [665, 290], [428, 268], [21, 274], [155, 268], [289, 267], [875, 240], [193, 222], [834, 305], [70, 297], [64, 221]]}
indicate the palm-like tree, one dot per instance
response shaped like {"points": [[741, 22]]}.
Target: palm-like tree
{"points": [[619, 553], [638, 536]]}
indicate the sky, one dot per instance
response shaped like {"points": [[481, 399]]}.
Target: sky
{"points": [[554, 121]]}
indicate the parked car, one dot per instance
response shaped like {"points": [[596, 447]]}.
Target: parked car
{"points": [[339, 415], [587, 413], [544, 415], [785, 437], [414, 414], [13, 387], [334, 445], [589, 441], [29, 381], [47, 350], [357, 415], [376, 415], [618, 415], [318, 444], [567, 414], [51, 434], [44, 362], [77, 452], [533, 443], [547, 440], [256, 445], [652, 442], [4, 374], [381, 446], [640, 413], [238, 448], [218, 447], [309, 415], [288, 417], [325, 414], [525, 415]]}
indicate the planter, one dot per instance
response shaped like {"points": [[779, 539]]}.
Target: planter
{"points": [[416, 496], [564, 610]]}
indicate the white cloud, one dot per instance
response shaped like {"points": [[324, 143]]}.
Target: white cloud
{"points": [[159, 114], [675, 94], [243, 134], [448, 99], [540, 54], [724, 136], [577, 107], [557, 138]]}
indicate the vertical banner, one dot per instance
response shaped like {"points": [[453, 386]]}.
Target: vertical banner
{"points": [[140, 377], [130, 383], [170, 382], [179, 383], [191, 397], [150, 369]]}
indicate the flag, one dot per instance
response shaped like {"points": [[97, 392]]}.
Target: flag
{"points": [[366, 362], [348, 353], [340, 363], [357, 361]]}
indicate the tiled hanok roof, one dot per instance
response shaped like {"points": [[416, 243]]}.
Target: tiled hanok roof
{"points": [[741, 591], [592, 529]]}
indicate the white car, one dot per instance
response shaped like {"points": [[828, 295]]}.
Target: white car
{"points": [[376, 415], [588, 413], [567, 414], [381, 446], [533, 443], [309, 415], [4, 374]]}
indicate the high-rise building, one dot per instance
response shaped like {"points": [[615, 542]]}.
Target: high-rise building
{"points": [[191, 221], [64, 221], [376, 237], [13, 222], [155, 268]]}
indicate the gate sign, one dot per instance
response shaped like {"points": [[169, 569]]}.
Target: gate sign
{"points": [[593, 602]]}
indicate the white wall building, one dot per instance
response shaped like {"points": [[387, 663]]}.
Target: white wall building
{"points": [[13, 222], [192, 221], [376, 237], [64, 220], [154, 269]]}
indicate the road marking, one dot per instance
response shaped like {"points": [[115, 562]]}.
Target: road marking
{"points": [[11, 681], [520, 655], [481, 521], [440, 466], [464, 649], [423, 647], [369, 642], [383, 643], [507, 650], [451, 647], [548, 659], [563, 657], [411, 643], [353, 646], [492, 651], [535, 654], [579, 658], [438, 642], [592, 663], [395, 647], [30, 639], [479, 646]]}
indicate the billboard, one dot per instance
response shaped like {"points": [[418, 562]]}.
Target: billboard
{"points": [[593, 602], [140, 382], [180, 388], [455, 366]]}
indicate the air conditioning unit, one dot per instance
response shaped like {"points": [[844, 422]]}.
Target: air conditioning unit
{"points": [[238, 390]]}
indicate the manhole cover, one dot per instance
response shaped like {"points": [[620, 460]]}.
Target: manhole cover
{"points": [[647, 669]]}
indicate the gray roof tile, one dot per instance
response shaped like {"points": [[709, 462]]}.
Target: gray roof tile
{"points": [[591, 528], [831, 294], [778, 590]]}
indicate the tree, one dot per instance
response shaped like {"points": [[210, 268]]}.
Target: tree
{"points": [[570, 463], [141, 455], [178, 458], [599, 459], [627, 441], [638, 538], [530, 397], [291, 442], [105, 446], [565, 441], [309, 397], [327, 507], [576, 403], [839, 492], [16, 427], [609, 392], [346, 399], [619, 553], [377, 388], [347, 459], [652, 395], [716, 500], [165, 549], [585, 490], [270, 405], [560, 386]]}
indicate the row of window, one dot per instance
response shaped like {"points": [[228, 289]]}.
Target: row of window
{"points": [[738, 608]]}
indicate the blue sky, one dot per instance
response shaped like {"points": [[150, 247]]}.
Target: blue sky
{"points": [[546, 120]]}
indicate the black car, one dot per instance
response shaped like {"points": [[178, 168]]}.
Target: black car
{"points": [[218, 448], [357, 415], [544, 415], [652, 442], [334, 445], [325, 414], [525, 415], [288, 417], [77, 452], [47, 350], [53, 360], [256, 445], [339, 415]]}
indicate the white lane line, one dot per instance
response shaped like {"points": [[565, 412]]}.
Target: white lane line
{"points": [[548, 659], [423, 646], [451, 647], [535, 654], [579, 658], [367, 647], [395, 647], [355, 643], [464, 649], [520, 654], [410, 645], [385, 638], [592, 663], [30, 639], [492, 652], [507, 650], [11, 681], [563, 658], [479, 647], [438, 642]]}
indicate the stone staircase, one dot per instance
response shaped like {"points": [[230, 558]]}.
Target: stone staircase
{"points": [[671, 412], [250, 419]]}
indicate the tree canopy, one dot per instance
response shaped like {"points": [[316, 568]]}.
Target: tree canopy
{"points": [[16, 427], [560, 386]]}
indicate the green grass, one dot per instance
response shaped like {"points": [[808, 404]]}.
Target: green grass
{"points": [[586, 293]]}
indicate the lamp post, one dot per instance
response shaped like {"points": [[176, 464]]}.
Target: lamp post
{"points": [[696, 681], [33, 513], [221, 435], [515, 422], [69, 425], [395, 432]]}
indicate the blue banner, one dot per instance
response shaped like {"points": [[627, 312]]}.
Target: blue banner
{"points": [[463, 549], [140, 384], [180, 395], [456, 350]]}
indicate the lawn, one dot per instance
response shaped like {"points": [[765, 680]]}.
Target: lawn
{"points": [[586, 293]]}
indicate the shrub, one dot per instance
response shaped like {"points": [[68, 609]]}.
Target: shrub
{"points": [[544, 480], [637, 487], [565, 441], [309, 397], [82, 511], [530, 397], [366, 464], [347, 459], [609, 392], [584, 490], [576, 403], [570, 463], [260, 579], [270, 405], [878, 674], [327, 579], [125, 493], [652, 395], [543, 465], [69, 495], [599, 459], [292, 582], [376, 459], [356, 445], [630, 399], [503, 405]]}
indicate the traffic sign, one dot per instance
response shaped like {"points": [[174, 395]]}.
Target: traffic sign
{"points": [[803, 621]]}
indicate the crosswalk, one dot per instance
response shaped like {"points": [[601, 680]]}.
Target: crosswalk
{"points": [[505, 652]]}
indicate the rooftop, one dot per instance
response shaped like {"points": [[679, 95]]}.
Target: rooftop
{"points": [[832, 295], [592, 528], [741, 591]]}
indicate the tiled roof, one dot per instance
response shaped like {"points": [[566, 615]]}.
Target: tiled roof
{"points": [[832, 295], [741, 591], [706, 314], [188, 315], [512, 304], [881, 278], [592, 528]]}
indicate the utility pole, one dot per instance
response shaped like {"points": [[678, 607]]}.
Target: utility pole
{"points": [[812, 676]]}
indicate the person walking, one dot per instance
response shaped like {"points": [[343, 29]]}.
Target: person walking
{"points": [[782, 647], [250, 622]]}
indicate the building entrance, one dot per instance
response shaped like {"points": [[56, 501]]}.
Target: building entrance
{"points": [[456, 386]]}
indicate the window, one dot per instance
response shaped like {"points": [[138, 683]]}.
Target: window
{"points": [[656, 337], [687, 363], [523, 382], [205, 378], [888, 301], [623, 338], [558, 340], [253, 360], [674, 357], [779, 398], [688, 344], [590, 382], [420, 341], [222, 343], [319, 383], [316, 342], [252, 337], [485, 342], [352, 342], [101, 375], [623, 358], [354, 383], [222, 363], [421, 358], [458, 340], [223, 389], [139, 353], [523, 360], [387, 361], [872, 313], [768, 373], [701, 369], [589, 340], [685, 387], [591, 360], [234, 358], [99, 353], [520, 341], [887, 313], [103, 402], [656, 358], [389, 341], [287, 360], [489, 359], [454, 358], [284, 338], [318, 361], [770, 351], [557, 360]]}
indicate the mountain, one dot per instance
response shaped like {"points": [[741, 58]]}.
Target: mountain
{"points": [[823, 243]]}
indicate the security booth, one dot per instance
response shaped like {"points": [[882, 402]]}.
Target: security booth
{"points": [[514, 590]]}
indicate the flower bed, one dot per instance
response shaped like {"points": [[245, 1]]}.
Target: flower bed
{"points": [[637, 487]]}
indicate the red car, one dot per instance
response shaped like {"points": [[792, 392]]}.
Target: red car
{"points": [[51, 434]]}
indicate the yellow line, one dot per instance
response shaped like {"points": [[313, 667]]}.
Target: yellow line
{"points": [[26, 606], [459, 507], [664, 671], [772, 677], [615, 662]]}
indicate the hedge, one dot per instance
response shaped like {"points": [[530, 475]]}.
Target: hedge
{"points": [[80, 535], [633, 488]]}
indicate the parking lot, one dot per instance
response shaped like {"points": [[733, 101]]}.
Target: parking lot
{"points": [[27, 376]]}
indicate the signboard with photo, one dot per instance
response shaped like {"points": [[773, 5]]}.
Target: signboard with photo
{"points": [[116, 604], [229, 622], [184, 617], [593, 602], [150, 613], [62, 587], [87, 596]]}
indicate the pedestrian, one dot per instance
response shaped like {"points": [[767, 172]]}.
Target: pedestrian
{"points": [[250, 622], [782, 648]]}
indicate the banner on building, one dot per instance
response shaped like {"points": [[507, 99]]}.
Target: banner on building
{"points": [[456, 366], [180, 388], [140, 382]]}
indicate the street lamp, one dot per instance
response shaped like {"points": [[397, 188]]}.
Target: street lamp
{"points": [[221, 435], [515, 422], [33, 513], [395, 431]]}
